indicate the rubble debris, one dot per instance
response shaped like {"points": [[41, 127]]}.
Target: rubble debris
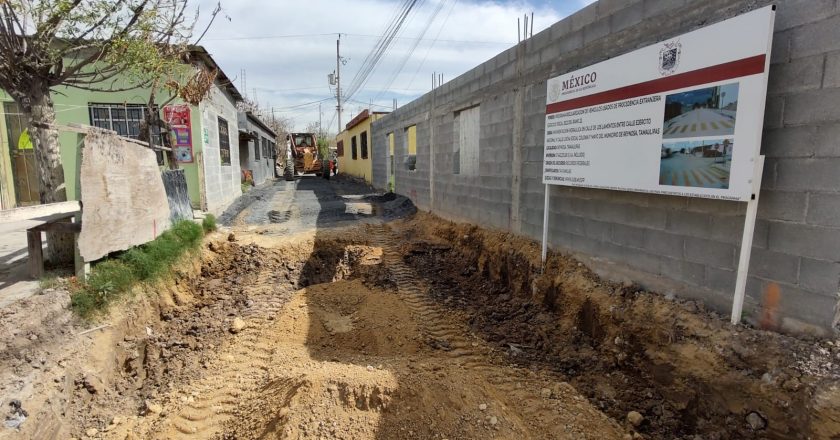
{"points": [[16, 415]]}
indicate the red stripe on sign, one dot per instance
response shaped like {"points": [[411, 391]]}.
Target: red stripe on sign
{"points": [[720, 72]]}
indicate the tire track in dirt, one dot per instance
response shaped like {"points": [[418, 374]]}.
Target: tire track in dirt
{"points": [[354, 357], [239, 370], [472, 355]]}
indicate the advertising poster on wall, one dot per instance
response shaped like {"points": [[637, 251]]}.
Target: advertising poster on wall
{"points": [[178, 117], [682, 117]]}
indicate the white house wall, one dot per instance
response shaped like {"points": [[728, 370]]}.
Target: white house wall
{"points": [[262, 169], [221, 183]]}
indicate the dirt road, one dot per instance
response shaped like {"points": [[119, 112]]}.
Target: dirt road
{"points": [[315, 317]]}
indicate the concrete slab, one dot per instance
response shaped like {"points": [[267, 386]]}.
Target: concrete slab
{"points": [[15, 283]]}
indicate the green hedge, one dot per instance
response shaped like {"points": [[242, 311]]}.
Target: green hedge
{"points": [[114, 277]]}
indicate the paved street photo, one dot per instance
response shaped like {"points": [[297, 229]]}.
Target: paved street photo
{"points": [[704, 164], [709, 111], [687, 170], [700, 122]]}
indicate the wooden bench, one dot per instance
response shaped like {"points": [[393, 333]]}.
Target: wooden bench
{"points": [[53, 223]]}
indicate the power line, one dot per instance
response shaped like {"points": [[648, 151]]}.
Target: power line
{"points": [[332, 119], [271, 37], [410, 52], [370, 104], [274, 109], [445, 20], [332, 92], [266, 89], [372, 59]]}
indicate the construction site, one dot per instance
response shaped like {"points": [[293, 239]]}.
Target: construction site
{"points": [[503, 255], [328, 311]]}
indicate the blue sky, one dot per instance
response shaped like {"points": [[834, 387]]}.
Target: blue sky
{"points": [[286, 57]]}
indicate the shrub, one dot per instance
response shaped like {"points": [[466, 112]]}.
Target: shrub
{"points": [[189, 232], [108, 281], [114, 277], [209, 223]]}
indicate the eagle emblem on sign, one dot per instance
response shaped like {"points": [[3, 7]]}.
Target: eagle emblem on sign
{"points": [[554, 91], [669, 57]]}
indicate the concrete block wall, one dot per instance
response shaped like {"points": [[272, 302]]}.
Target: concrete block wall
{"points": [[685, 246]]}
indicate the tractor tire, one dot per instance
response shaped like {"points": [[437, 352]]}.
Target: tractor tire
{"points": [[289, 171]]}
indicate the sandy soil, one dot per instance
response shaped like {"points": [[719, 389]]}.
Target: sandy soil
{"points": [[416, 329]]}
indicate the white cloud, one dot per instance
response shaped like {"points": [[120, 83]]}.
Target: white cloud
{"points": [[293, 70]]}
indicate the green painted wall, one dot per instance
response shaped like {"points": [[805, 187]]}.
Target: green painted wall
{"points": [[71, 106]]}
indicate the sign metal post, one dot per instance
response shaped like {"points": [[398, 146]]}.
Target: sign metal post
{"points": [[746, 245], [545, 225]]}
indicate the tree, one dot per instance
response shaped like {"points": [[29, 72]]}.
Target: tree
{"points": [[324, 148], [313, 127], [179, 83], [282, 126], [84, 44]]}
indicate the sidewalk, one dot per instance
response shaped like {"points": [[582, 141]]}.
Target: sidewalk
{"points": [[15, 283]]}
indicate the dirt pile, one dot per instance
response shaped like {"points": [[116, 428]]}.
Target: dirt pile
{"points": [[329, 338], [238, 285], [392, 206], [420, 329], [682, 369], [356, 361]]}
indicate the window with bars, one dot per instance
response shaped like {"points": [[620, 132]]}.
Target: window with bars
{"points": [[364, 145], [125, 119], [224, 142], [257, 147], [265, 147]]}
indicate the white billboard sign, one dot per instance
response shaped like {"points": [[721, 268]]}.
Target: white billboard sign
{"points": [[682, 117]]}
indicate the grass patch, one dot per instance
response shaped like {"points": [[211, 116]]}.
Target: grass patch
{"points": [[114, 277], [246, 186], [209, 223], [49, 282]]}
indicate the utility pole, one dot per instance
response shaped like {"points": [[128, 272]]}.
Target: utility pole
{"points": [[338, 79], [320, 130]]}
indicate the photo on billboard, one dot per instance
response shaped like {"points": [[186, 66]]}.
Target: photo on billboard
{"points": [[704, 164], [707, 111]]}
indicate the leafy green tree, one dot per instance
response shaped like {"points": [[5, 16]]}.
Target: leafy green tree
{"points": [[85, 44], [324, 148]]}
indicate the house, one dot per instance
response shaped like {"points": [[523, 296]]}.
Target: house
{"points": [[257, 148], [353, 146], [202, 138]]}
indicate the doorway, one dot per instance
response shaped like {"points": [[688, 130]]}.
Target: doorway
{"points": [[22, 156]]}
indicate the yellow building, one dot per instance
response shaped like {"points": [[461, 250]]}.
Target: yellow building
{"points": [[354, 144]]}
